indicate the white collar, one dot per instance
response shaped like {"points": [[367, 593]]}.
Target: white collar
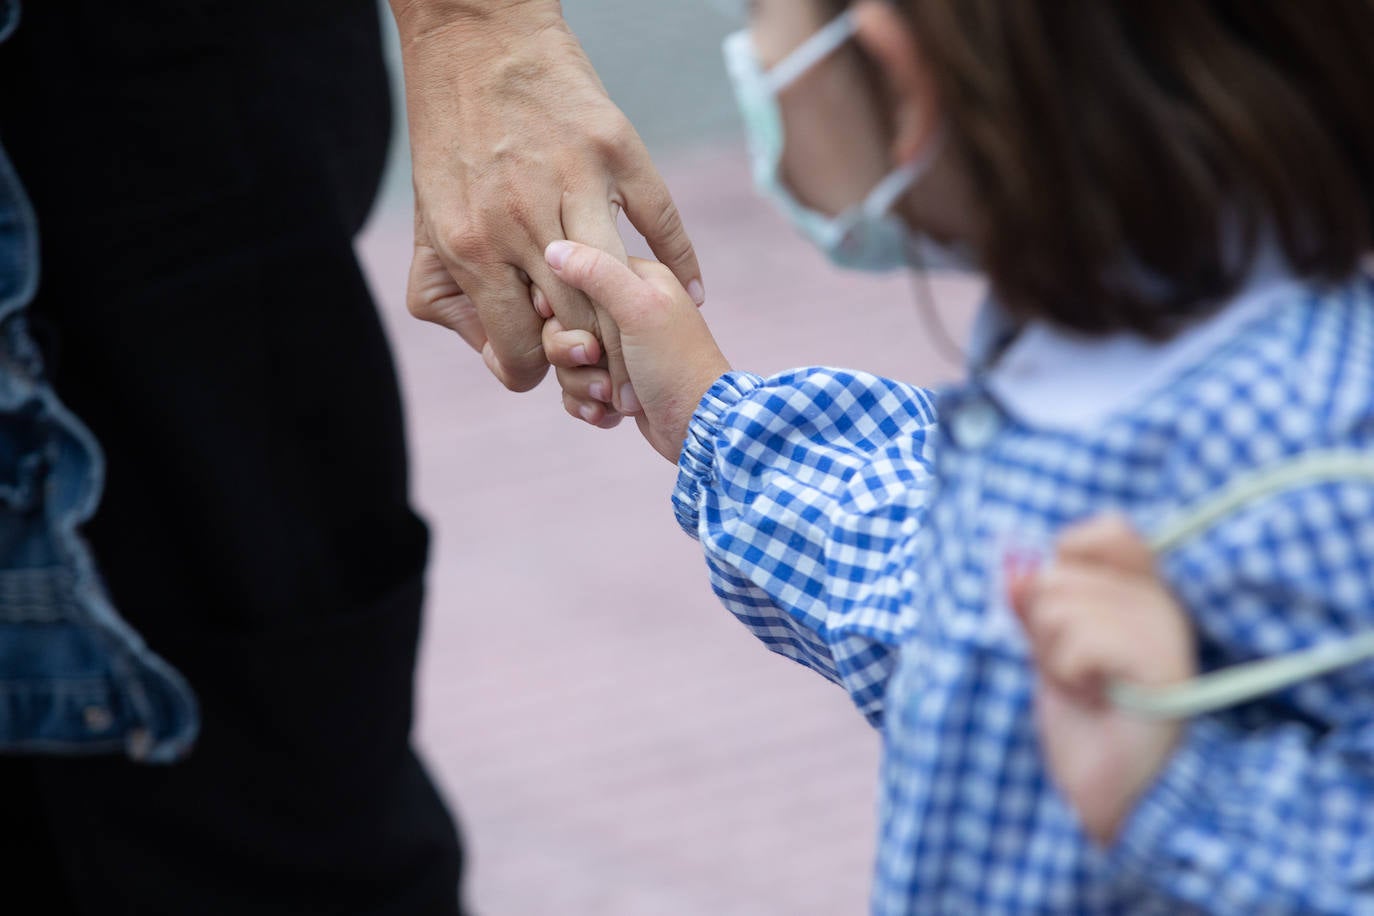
{"points": [[1055, 378]]}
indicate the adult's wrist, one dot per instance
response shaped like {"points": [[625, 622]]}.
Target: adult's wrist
{"points": [[418, 19]]}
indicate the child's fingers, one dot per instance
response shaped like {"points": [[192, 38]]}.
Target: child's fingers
{"points": [[662, 279], [1020, 577], [588, 383], [1087, 622], [656, 273], [593, 412], [605, 280], [569, 349], [1109, 540], [1070, 645], [1082, 660], [1059, 604], [541, 302]]}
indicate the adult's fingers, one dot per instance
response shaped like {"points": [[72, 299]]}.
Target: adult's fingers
{"points": [[433, 295], [591, 221], [488, 305], [651, 210], [513, 328]]}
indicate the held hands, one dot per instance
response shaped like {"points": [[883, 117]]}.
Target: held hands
{"points": [[515, 142], [1099, 613], [669, 353]]}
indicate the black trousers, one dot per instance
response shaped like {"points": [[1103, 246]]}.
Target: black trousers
{"points": [[199, 169]]}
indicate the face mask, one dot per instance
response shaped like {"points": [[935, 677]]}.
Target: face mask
{"points": [[865, 237]]}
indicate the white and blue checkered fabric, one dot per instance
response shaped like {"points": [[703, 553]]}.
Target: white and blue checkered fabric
{"points": [[856, 533]]}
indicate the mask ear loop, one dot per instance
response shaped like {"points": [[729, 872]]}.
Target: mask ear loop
{"points": [[931, 318], [1241, 683], [811, 52]]}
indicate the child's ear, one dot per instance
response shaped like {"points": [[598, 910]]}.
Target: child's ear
{"points": [[886, 36]]}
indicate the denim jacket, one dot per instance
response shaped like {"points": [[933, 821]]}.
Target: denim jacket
{"points": [[74, 677]]}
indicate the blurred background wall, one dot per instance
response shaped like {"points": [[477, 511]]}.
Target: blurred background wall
{"points": [[612, 740]]}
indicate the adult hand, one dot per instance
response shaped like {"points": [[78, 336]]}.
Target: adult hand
{"points": [[671, 356], [515, 144]]}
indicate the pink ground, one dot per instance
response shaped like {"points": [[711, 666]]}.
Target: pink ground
{"points": [[614, 742]]}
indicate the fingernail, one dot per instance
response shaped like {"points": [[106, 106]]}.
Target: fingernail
{"points": [[588, 412], [557, 254], [601, 391], [579, 354], [629, 402], [697, 292]]}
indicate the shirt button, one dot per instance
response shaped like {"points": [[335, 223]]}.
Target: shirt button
{"points": [[97, 718], [975, 425]]}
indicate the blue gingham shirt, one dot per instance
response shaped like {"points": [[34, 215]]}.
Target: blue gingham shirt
{"points": [[858, 525]]}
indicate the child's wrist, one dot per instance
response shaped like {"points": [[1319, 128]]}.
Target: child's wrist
{"points": [[697, 449], [1176, 794]]}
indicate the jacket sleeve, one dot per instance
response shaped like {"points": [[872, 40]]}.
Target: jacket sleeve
{"points": [[1269, 807], [807, 492]]}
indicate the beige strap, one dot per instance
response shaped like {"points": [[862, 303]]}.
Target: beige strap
{"points": [[1240, 683]]}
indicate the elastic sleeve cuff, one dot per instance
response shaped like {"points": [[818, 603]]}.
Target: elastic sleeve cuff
{"points": [[1181, 797], [696, 462]]}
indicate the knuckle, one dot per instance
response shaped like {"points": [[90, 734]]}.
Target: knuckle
{"points": [[467, 242], [661, 300], [612, 136], [524, 373], [672, 237], [660, 222], [661, 275], [420, 306], [667, 292]]}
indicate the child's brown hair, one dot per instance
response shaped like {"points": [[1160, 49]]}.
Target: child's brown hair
{"points": [[1129, 156]]}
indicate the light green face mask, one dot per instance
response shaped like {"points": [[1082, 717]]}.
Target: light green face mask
{"points": [[1240, 683], [866, 237]]}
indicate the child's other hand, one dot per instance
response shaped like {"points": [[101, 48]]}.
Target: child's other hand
{"points": [[1100, 613], [670, 355]]}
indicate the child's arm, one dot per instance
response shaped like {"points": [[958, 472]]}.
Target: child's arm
{"points": [[805, 490], [1273, 813]]}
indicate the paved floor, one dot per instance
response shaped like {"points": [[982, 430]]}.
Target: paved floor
{"points": [[616, 744]]}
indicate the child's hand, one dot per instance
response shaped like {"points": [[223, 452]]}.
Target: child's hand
{"points": [[1100, 613], [669, 352]]}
